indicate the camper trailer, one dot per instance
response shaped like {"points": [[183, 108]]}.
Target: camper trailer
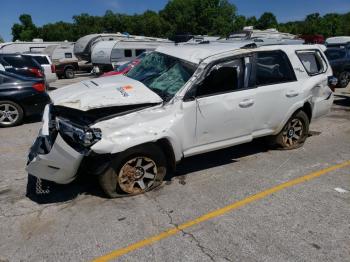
{"points": [[83, 47], [36, 46], [108, 54], [60, 52]]}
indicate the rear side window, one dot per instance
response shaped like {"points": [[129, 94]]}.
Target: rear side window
{"points": [[41, 60], [20, 61], [273, 67], [128, 53], [68, 55], [312, 61]]}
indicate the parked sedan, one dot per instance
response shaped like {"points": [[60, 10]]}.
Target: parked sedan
{"points": [[20, 97]]}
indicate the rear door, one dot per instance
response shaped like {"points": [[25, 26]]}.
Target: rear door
{"points": [[277, 91]]}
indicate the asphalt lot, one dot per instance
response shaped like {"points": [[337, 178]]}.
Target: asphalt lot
{"points": [[309, 221]]}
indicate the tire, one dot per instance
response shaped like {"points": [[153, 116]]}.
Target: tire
{"points": [[69, 73], [11, 114], [344, 79], [135, 171], [294, 133]]}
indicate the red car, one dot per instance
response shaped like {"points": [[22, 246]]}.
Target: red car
{"points": [[123, 69]]}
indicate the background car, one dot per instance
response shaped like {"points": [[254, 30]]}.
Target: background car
{"points": [[123, 69], [46, 64], [339, 59], [20, 97], [21, 65]]}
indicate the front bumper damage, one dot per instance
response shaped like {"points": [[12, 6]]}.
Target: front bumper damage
{"points": [[59, 165], [50, 160]]}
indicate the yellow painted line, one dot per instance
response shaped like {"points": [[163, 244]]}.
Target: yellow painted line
{"points": [[170, 232]]}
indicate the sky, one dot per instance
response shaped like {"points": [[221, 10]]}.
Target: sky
{"points": [[45, 11]]}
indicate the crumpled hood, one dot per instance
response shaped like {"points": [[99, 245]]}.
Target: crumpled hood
{"points": [[104, 92]]}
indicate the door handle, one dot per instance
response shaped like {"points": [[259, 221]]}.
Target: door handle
{"points": [[292, 93], [246, 103]]}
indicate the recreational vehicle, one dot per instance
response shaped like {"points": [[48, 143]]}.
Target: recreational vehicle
{"points": [[36, 46], [83, 47], [108, 54]]}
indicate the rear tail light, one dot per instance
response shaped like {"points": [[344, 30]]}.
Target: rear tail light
{"points": [[37, 72], [40, 87], [53, 69]]}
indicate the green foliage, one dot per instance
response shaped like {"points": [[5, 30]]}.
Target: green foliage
{"points": [[206, 17], [267, 20], [1, 39], [26, 30]]}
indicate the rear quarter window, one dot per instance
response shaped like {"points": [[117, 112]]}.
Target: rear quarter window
{"points": [[312, 61]]}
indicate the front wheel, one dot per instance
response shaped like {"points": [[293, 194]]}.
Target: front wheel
{"points": [[135, 171], [295, 132]]}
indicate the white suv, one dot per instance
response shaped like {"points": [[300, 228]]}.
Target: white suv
{"points": [[179, 101], [45, 62]]}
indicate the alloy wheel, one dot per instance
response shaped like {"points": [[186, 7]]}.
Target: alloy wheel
{"points": [[137, 175], [293, 132], [8, 114]]}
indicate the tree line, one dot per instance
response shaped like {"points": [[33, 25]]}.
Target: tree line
{"points": [[203, 17]]}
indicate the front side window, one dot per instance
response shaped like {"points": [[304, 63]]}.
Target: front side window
{"points": [[273, 67], [163, 74], [312, 62], [223, 78]]}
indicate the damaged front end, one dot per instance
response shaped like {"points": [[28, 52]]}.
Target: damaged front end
{"points": [[65, 141]]}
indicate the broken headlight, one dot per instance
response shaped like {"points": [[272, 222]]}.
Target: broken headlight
{"points": [[77, 135]]}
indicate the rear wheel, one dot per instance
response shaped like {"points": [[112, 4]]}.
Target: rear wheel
{"points": [[135, 171], [295, 132], [69, 73], [344, 79], [11, 114]]}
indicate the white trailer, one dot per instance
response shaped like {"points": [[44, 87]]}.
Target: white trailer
{"points": [[108, 54], [60, 52], [83, 47], [36, 46]]}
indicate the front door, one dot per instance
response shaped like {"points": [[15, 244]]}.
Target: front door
{"points": [[224, 105]]}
